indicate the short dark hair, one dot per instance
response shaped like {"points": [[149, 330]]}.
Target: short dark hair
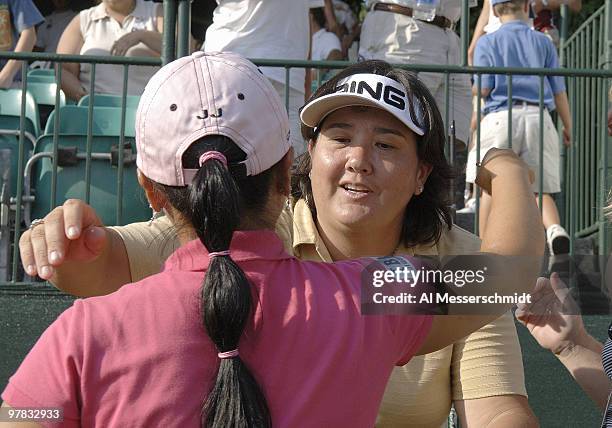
{"points": [[428, 213], [509, 7]]}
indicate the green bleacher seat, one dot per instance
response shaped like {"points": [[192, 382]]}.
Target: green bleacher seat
{"points": [[106, 100], [44, 93], [41, 72], [71, 179], [10, 112], [41, 78]]}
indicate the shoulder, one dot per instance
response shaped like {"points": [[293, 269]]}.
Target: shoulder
{"points": [[457, 241], [147, 9], [284, 228], [24, 14]]}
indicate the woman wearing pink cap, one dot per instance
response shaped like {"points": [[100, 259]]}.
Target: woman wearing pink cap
{"points": [[233, 321]]}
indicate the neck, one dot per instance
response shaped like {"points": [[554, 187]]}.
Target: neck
{"points": [[348, 242], [185, 231], [123, 11], [513, 17]]}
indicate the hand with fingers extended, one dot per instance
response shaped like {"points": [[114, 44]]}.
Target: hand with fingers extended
{"points": [[70, 233], [552, 317]]}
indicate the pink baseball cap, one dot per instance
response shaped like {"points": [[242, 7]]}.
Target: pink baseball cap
{"points": [[208, 94]]}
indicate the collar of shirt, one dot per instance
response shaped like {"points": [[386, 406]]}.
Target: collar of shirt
{"points": [[101, 13], [246, 245], [515, 23], [308, 244]]}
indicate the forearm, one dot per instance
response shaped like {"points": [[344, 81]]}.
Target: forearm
{"points": [[26, 42], [152, 39], [514, 225], [478, 32], [330, 17], [562, 106], [104, 275], [583, 361], [71, 85]]}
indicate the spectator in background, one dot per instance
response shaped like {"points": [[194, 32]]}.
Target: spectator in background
{"points": [[114, 27], [488, 22], [56, 22], [18, 19], [515, 44], [348, 27], [274, 29], [325, 46], [543, 16]]}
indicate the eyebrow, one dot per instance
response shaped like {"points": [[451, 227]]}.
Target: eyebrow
{"points": [[378, 130], [340, 125]]}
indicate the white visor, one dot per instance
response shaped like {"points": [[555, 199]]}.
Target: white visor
{"points": [[370, 90]]}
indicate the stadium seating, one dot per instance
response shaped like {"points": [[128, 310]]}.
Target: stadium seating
{"points": [[71, 173], [107, 100], [10, 111], [44, 95], [41, 72], [41, 78]]}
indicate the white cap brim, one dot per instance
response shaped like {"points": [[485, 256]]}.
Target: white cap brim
{"points": [[315, 111]]}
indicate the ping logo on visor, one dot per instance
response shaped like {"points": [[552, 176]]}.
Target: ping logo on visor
{"points": [[370, 90], [388, 94]]}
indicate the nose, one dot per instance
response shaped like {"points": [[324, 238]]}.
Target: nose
{"points": [[358, 160]]}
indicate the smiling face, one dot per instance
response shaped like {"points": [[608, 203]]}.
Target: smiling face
{"points": [[365, 170]]}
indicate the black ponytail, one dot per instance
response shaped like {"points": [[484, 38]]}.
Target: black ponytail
{"points": [[236, 400], [214, 204]]}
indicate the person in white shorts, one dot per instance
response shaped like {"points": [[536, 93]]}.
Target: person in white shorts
{"points": [[515, 44]]}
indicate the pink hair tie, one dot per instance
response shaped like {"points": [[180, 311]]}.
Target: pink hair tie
{"points": [[228, 354], [219, 253], [213, 154]]}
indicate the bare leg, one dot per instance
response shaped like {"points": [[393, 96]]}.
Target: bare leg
{"points": [[483, 214], [550, 215]]}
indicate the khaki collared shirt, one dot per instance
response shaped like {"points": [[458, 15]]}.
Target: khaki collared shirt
{"points": [[486, 363]]}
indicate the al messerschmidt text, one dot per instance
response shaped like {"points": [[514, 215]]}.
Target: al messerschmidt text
{"points": [[445, 298]]}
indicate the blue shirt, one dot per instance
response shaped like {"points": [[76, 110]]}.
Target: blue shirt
{"points": [[515, 44], [20, 15]]}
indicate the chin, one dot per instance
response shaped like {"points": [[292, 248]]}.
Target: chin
{"points": [[355, 217]]}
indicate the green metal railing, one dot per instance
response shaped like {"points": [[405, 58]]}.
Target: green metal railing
{"points": [[586, 56], [587, 163]]}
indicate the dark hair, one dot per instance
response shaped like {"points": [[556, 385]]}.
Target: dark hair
{"points": [[215, 204], [318, 14], [509, 7], [428, 213]]}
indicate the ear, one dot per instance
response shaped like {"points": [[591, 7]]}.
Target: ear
{"points": [[311, 144], [494, 12], [284, 179], [155, 198], [423, 172]]}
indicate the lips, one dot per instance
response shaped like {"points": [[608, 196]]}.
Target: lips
{"points": [[355, 190]]}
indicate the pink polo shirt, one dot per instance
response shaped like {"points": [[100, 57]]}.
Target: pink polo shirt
{"points": [[140, 357]]}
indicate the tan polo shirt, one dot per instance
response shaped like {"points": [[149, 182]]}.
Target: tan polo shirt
{"points": [[484, 364]]}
